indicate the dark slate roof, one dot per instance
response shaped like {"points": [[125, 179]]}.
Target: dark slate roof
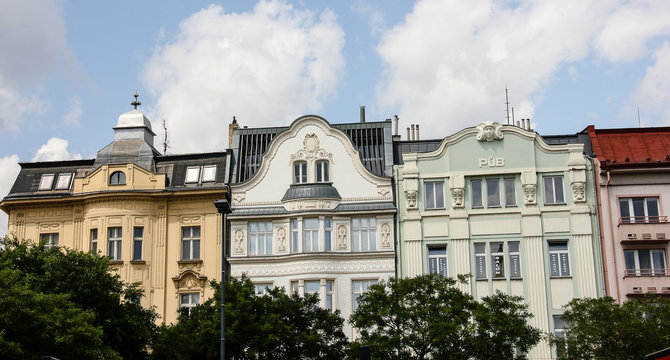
{"points": [[28, 181], [175, 167], [311, 191], [579, 138], [341, 208], [135, 151], [413, 146]]}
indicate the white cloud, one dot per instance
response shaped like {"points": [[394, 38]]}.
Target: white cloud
{"points": [[448, 64], [653, 91], [74, 113], [55, 149], [9, 169], [14, 105], [266, 67], [375, 17]]}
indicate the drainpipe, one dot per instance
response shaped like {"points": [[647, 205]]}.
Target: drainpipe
{"points": [[609, 212], [603, 249]]}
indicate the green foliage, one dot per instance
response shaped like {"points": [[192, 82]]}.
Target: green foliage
{"points": [[428, 316], [67, 304], [603, 329], [273, 326]]}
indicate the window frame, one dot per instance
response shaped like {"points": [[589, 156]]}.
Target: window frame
{"points": [[46, 177], [208, 173], [514, 257], [553, 190], [263, 288], [115, 243], [562, 270], [192, 175], [94, 240], [358, 288], [67, 184], [119, 179], [300, 172], [480, 261], [322, 171], [310, 243], [433, 202], [254, 238], [138, 243], [654, 270], [192, 241], [49, 239], [647, 217], [497, 256], [502, 196], [435, 258], [357, 231], [190, 304]]}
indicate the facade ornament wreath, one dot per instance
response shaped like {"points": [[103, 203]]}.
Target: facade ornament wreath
{"points": [[489, 131]]}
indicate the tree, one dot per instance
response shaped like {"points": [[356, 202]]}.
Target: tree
{"points": [[428, 315], [602, 329], [68, 304], [273, 326]]}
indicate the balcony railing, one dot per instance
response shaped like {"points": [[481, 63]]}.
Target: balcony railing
{"points": [[647, 272], [643, 219]]}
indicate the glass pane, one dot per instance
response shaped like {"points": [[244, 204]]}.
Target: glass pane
{"points": [[185, 232], [439, 195], [480, 248], [652, 209], [496, 247], [196, 249], [303, 172], [510, 192], [118, 250], [312, 286], [558, 189], [476, 193], [192, 174], [553, 265], [645, 261], [638, 209], [565, 264], [186, 250], [364, 240], [329, 286], [137, 232], [209, 173], [624, 210], [311, 223], [196, 232], [630, 261], [63, 181], [442, 266], [432, 265], [46, 181], [252, 244], [480, 263], [437, 251], [658, 258], [430, 196], [513, 246], [493, 192], [515, 266], [498, 262], [137, 250], [558, 246], [373, 240], [549, 191], [356, 241], [325, 172]]}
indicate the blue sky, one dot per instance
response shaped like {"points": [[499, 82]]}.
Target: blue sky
{"points": [[70, 68]]}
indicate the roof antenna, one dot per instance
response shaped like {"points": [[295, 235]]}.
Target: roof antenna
{"points": [[512, 115], [136, 103], [165, 139], [507, 105]]}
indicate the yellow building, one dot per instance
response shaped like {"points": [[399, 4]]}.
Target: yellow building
{"points": [[152, 214]]}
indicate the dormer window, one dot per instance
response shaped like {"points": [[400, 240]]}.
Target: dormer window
{"points": [[299, 172], [46, 181], [209, 173], [192, 174], [117, 178], [63, 182], [322, 171]]}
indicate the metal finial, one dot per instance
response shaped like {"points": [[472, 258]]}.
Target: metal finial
{"points": [[136, 103]]}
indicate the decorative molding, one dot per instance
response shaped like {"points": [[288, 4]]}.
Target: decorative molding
{"points": [[311, 205], [383, 191], [529, 193], [191, 219], [489, 131], [239, 241], [457, 197], [281, 238], [411, 199], [342, 242], [311, 150], [349, 266], [195, 265], [385, 235], [189, 280], [239, 198], [578, 191]]}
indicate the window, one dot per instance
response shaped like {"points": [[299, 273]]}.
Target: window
{"points": [[494, 192], [260, 238], [314, 287], [514, 260], [189, 301], [553, 190], [358, 287], [329, 295], [327, 230], [190, 243], [434, 195], [114, 243], [364, 234], [46, 181], [322, 171], [299, 172], [560, 326], [310, 235], [294, 235], [480, 260], [437, 260], [639, 210], [209, 173], [559, 262], [94, 241], [117, 178], [192, 174], [49, 240], [645, 262], [263, 289], [138, 233], [497, 260], [63, 182]]}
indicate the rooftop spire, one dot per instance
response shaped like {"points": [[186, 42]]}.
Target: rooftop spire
{"points": [[136, 103]]}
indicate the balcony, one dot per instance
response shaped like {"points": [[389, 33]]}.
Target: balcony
{"points": [[638, 282], [643, 229]]}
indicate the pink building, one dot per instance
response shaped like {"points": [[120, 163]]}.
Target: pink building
{"points": [[633, 202]]}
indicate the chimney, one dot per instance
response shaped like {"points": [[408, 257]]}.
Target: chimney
{"points": [[232, 126], [523, 123], [397, 120], [518, 124], [408, 134], [362, 114], [417, 132], [413, 132]]}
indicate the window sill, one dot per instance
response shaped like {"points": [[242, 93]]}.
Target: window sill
{"points": [[516, 278], [561, 277], [481, 279], [552, 204], [499, 279], [194, 261], [116, 262], [433, 209], [138, 262]]}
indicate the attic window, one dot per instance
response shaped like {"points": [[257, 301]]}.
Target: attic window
{"points": [[208, 173], [63, 182], [117, 178], [192, 174], [46, 181]]}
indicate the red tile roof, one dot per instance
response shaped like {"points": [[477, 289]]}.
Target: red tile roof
{"points": [[631, 147]]}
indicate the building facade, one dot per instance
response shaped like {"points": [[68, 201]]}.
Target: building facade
{"points": [[313, 209], [497, 202], [632, 168], [153, 215]]}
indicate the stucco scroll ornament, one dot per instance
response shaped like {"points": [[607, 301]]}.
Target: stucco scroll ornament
{"points": [[386, 235], [239, 240], [311, 150], [529, 193], [578, 189], [457, 197], [489, 131], [239, 198], [281, 239], [341, 237], [411, 199]]}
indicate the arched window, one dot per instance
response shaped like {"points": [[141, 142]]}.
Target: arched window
{"points": [[299, 172], [117, 178], [322, 171]]}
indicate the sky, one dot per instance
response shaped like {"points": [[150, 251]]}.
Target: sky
{"points": [[68, 69]]}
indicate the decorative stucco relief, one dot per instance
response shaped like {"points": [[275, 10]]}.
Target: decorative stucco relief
{"points": [[311, 150], [578, 189], [411, 199], [342, 243], [189, 280], [311, 204], [529, 194], [457, 197], [281, 239], [239, 198], [238, 247], [314, 267], [383, 191], [489, 131], [385, 235]]}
